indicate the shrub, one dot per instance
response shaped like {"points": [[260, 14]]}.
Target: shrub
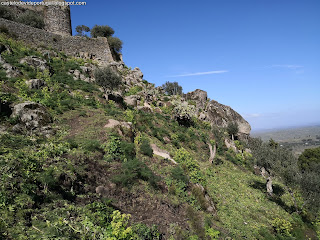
{"points": [[133, 170], [101, 31], [282, 226], [178, 174], [142, 232], [134, 90], [32, 19], [115, 44], [6, 13], [107, 78], [4, 29], [145, 147], [232, 129]]}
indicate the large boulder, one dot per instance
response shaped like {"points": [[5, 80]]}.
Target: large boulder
{"points": [[31, 116], [36, 83], [131, 100], [199, 96], [221, 115], [37, 63]]}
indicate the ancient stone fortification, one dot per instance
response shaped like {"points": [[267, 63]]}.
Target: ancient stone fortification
{"points": [[57, 19], [57, 33], [97, 48]]}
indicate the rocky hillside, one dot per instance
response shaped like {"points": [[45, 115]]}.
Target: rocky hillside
{"points": [[79, 161]]}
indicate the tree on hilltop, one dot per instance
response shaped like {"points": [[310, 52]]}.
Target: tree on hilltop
{"points": [[82, 29], [101, 31], [172, 88]]}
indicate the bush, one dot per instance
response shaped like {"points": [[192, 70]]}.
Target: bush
{"points": [[6, 13], [133, 170], [115, 44], [101, 31], [32, 19], [145, 148], [107, 78], [178, 174]]}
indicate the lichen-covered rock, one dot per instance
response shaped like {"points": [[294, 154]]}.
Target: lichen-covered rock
{"points": [[199, 96], [221, 115], [131, 100], [36, 83], [183, 113], [37, 63], [31, 116]]}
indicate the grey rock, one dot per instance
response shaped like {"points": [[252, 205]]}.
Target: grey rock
{"points": [[221, 115], [36, 83], [131, 100], [11, 71], [199, 96], [37, 63], [31, 116]]}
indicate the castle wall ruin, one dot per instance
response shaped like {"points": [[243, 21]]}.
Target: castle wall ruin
{"points": [[94, 48]]}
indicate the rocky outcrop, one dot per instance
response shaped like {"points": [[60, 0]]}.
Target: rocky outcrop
{"points": [[37, 63], [217, 113], [131, 100], [36, 83], [31, 117], [199, 96], [221, 115], [162, 153]]}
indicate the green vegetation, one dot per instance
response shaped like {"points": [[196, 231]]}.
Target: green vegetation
{"points": [[82, 181], [32, 19], [6, 13], [107, 78], [172, 88], [101, 31], [81, 30], [115, 43]]}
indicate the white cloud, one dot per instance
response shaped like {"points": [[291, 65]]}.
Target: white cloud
{"points": [[200, 73], [286, 66], [252, 115]]}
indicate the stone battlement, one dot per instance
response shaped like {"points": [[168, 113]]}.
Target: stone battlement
{"points": [[94, 48]]}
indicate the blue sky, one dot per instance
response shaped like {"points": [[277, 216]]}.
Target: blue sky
{"points": [[261, 57]]}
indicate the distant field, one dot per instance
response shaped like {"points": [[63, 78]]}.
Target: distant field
{"points": [[297, 139]]}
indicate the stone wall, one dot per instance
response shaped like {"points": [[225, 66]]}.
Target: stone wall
{"points": [[94, 48]]}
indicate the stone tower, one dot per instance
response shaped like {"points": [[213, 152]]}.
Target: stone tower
{"points": [[57, 18]]}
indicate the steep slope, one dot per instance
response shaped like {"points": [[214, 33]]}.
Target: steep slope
{"points": [[79, 173]]}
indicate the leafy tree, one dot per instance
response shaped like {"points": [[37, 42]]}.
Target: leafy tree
{"points": [[107, 78], [81, 29], [101, 31], [115, 44], [172, 88], [309, 164], [278, 162], [232, 129], [32, 19], [309, 158]]}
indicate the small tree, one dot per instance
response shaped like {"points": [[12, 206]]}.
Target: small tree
{"points": [[101, 31], [32, 19], [232, 129], [115, 44], [172, 88], [82, 29], [107, 78]]}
